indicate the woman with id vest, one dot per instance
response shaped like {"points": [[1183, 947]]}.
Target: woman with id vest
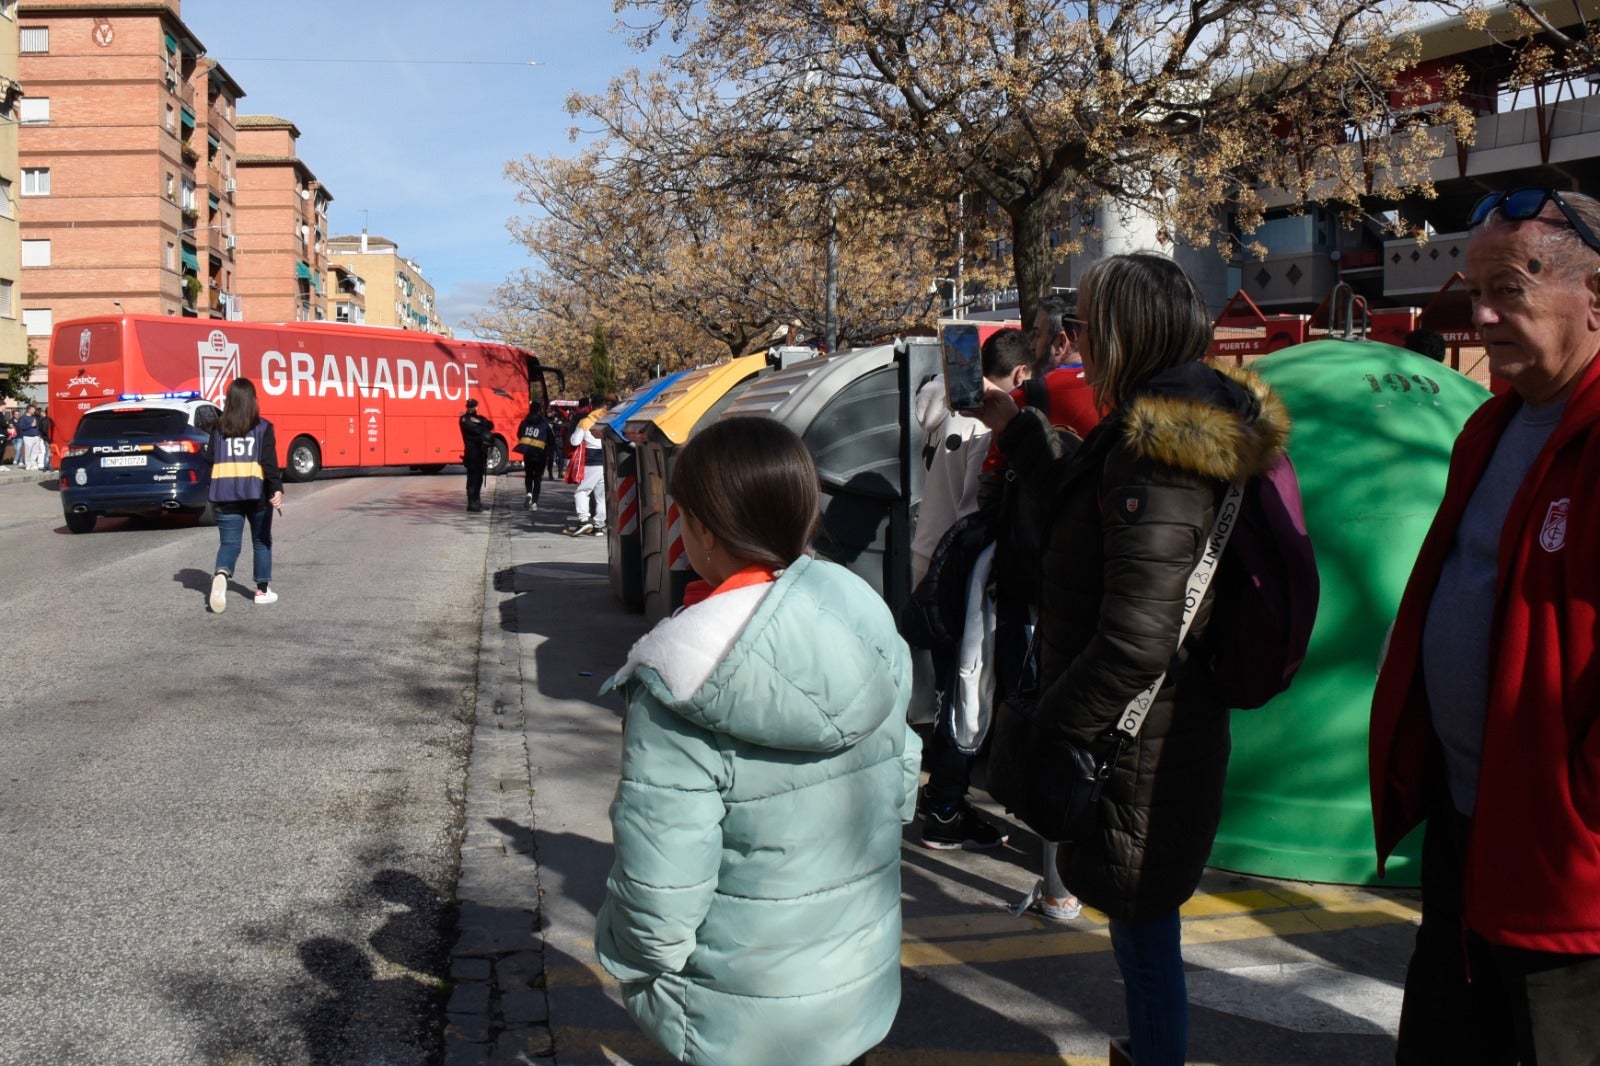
{"points": [[246, 487]]}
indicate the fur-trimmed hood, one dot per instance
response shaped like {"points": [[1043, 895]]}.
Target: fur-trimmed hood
{"points": [[1217, 421]]}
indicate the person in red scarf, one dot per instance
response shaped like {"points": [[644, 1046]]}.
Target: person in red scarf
{"points": [[1486, 716]]}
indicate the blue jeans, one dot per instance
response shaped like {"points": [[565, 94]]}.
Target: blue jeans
{"points": [[1150, 956], [230, 528]]}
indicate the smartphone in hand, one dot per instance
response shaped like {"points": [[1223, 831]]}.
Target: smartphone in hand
{"points": [[963, 366]]}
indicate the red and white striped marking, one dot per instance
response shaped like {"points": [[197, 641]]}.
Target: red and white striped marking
{"points": [[627, 506], [676, 559]]}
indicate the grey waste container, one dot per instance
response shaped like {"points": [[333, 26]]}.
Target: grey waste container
{"points": [[854, 412]]}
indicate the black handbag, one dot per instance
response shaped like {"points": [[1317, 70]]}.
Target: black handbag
{"points": [[1053, 786]]}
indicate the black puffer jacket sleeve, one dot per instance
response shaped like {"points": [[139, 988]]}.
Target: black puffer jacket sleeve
{"points": [[1153, 522]]}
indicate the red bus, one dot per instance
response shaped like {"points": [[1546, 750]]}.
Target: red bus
{"points": [[338, 396]]}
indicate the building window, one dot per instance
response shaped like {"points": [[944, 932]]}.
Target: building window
{"points": [[34, 110], [8, 8], [5, 299], [36, 181], [35, 253], [172, 187], [172, 117], [35, 39], [37, 321], [6, 208]]}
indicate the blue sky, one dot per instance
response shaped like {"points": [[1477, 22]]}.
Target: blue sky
{"points": [[421, 162]]}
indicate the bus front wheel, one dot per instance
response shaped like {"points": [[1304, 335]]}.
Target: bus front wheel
{"points": [[305, 462], [498, 461]]}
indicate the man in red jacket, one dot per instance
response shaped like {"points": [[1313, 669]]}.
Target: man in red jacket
{"points": [[1486, 717]]}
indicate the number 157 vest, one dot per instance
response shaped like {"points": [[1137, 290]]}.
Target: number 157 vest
{"points": [[236, 475]]}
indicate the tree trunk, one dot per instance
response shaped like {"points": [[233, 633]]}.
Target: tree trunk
{"points": [[1030, 254]]}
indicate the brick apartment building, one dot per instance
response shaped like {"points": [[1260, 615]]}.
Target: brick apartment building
{"points": [[127, 153], [13, 337], [396, 293], [283, 225]]}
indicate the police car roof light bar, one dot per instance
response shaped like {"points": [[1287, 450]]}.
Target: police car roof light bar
{"points": [[190, 395]]}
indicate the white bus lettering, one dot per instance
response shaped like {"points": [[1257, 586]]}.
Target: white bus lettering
{"points": [[273, 381], [430, 382], [302, 367], [406, 378], [330, 376], [356, 377]]}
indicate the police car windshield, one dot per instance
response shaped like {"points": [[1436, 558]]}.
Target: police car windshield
{"points": [[120, 425]]}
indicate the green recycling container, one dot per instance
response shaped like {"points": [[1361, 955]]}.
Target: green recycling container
{"points": [[1373, 426]]}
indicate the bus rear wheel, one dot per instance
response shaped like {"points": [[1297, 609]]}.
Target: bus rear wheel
{"points": [[499, 461], [305, 461]]}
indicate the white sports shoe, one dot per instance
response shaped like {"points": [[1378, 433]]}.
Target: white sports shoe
{"points": [[1064, 909], [266, 595], [219, 592]]}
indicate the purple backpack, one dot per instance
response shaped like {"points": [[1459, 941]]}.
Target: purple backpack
{"points": [[1265, 602]]}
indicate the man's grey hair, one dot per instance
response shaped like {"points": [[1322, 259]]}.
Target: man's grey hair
{"points": [[1565, 244]]}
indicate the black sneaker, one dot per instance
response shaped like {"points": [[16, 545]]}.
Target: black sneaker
{"points": [[960, 827]]}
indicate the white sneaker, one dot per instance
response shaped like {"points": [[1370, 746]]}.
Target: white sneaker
{"points": [[219, 592], [528, 502], [1064, 909], [587, 527], [266, 595], [598, 531]]}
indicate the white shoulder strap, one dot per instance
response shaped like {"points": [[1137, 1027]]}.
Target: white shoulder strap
{"points": [[1133, 716]]}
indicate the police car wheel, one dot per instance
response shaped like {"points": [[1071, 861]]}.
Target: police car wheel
{"points": [[80, 523]]}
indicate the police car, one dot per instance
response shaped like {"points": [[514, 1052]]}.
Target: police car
{"points": [[141, 455]]}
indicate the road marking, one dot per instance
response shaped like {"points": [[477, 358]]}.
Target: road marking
{"points": [[1250, 914], [616, 1047], [1307, 997], [1214, 918]]}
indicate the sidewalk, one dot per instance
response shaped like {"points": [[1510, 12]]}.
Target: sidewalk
{"points": [[1279, 972]]}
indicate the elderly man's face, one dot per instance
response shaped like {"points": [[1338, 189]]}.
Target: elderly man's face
{"points": [[1539, 325]]}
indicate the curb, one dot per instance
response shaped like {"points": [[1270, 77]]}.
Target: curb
{"points": [[498, 1011]]}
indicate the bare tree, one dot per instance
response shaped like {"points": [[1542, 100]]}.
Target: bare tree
{"points": [[1047, 108]]}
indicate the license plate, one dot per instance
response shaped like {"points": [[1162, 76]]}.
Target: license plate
{"points": [[123, 460]]}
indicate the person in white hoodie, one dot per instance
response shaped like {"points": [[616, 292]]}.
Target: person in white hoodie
{"points": [[592, 489]]}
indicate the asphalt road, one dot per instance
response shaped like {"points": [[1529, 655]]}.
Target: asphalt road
{"points": [[233, 838]]}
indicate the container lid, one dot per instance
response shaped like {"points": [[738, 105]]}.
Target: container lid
{"points": [[617, 416], [673, 411]]}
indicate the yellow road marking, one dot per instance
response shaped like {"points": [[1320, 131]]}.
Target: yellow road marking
{"points": [[601, 1046], [996, 937]]}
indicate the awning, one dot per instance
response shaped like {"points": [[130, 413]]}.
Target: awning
{"points": [[187, 117], [302, 271], [190, 259], [172, 43]]}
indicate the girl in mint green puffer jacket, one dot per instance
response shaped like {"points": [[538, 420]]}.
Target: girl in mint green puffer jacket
{"points": [[753, 910]]}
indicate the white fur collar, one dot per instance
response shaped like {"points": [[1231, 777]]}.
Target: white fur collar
{"points": [[687, 647]]}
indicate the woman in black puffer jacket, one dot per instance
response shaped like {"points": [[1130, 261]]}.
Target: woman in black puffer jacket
{"points": [[1128, 512]]}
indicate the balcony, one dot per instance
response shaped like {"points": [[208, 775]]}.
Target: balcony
{"points": [[190, 154]]}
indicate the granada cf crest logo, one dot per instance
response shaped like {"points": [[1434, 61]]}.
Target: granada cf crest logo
{"points": [[1553, 537], [219, 364]]}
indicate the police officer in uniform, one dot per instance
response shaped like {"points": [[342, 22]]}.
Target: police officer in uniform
{"points": [[476, 435]]}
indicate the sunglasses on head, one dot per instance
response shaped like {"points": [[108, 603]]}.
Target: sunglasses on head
{"points": [[1524, 205]]}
